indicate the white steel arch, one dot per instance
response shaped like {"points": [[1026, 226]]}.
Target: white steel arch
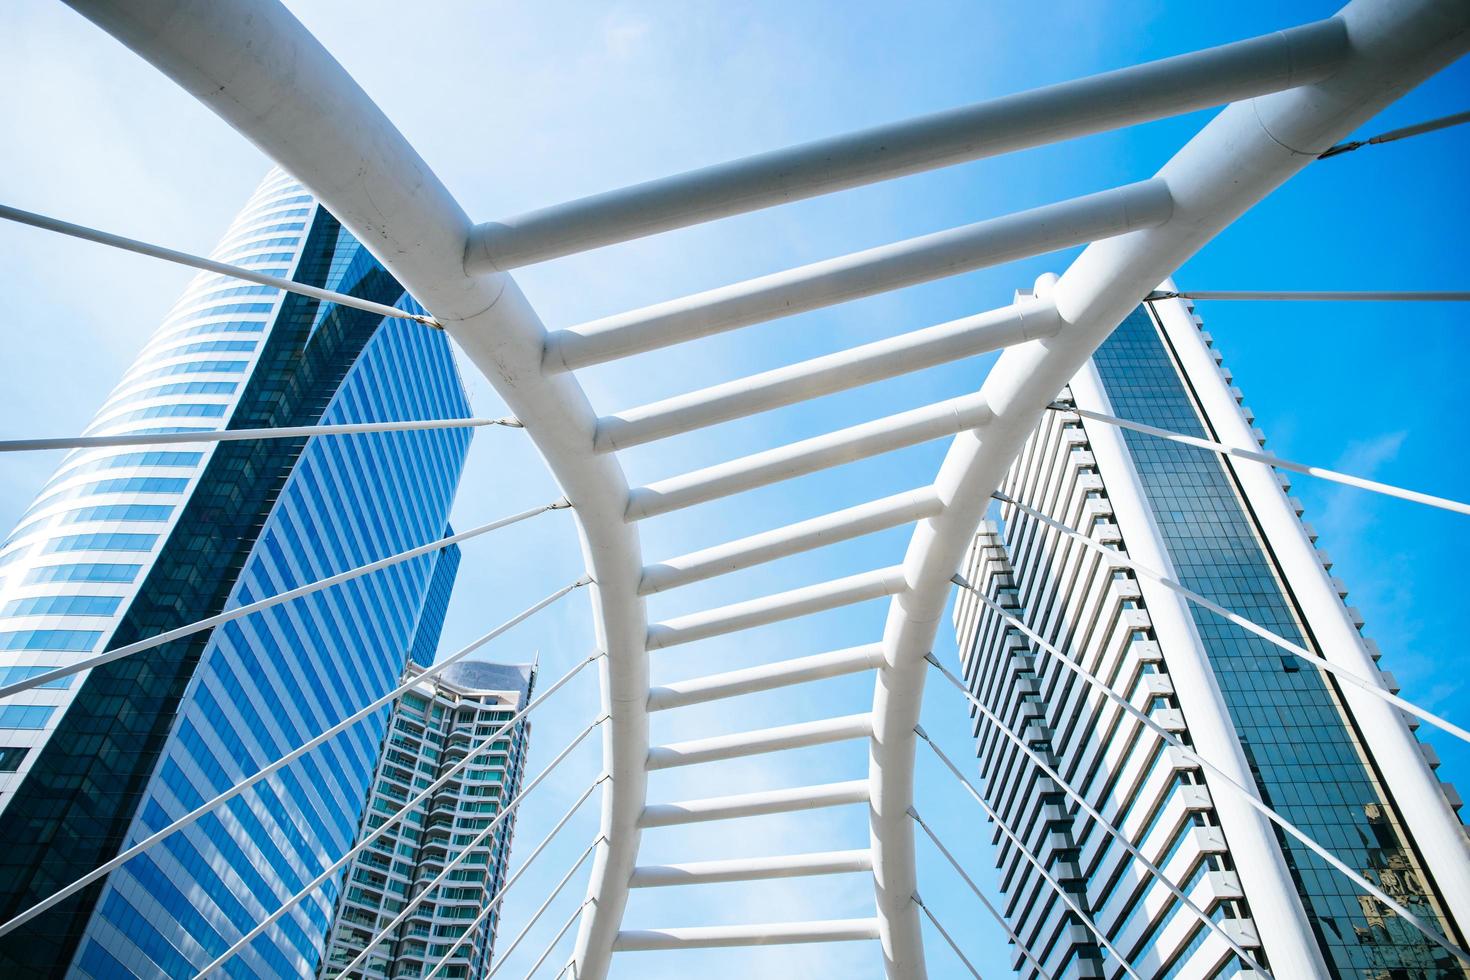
{"points": [[1305, 90]]}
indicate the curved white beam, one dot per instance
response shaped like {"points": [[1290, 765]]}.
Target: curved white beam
{"points": [[261, 71], [1238, 158]]}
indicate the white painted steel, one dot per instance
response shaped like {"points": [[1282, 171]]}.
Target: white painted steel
{"points": [[1401, 759], [262, 72], [773, 608], [208, 265], [1030, 858], [236, 435], [765, 934], [1241, 791], [1014, 324], [1278, 913], [809, 456], [765, 677], [293, 100], [480, 837], [1136, 94], [944, 933], [1271, 459], [840, 525], [1113, 831], [755, 804], [499, 897], [753, 869], [1242, 155], [848, 277], [1023, 948], [250, 608], [1370, 683], [764, 740]]}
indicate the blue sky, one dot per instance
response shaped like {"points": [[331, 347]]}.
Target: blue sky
{"points": [[519, 106]]}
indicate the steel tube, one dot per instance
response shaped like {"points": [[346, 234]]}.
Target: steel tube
{"points": [[1154, 90], [867, 273]]}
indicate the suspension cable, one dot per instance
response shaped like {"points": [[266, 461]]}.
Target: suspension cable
{"points": [[208, 265], [1443, 122], [947, 938], [1347, 479], [401, 813], [112, 865], [1021, 848], [1318, 295], [1245, 793], [464, 853], [1117, 834], [995, 912], [200, 436], [1336, 670], [499, 896], [240, 612], [536, 916], [554, 940]]}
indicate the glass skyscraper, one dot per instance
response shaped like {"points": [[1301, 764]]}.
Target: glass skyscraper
{"points": [[125, 543], [1234, 537], [434, 727]]}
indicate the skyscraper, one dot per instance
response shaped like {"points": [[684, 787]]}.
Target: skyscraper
{"points": [[1337, 763], [434, 727], [125, 543]]}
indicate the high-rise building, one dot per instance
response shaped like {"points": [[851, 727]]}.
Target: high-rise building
{"points": [[1337, 763], [125, 543], [434, 727]]}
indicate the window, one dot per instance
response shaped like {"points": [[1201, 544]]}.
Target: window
{"points": [[102, 542], [25, 716], [71, 641], [11, 758], [63, 605], [82, 573]]}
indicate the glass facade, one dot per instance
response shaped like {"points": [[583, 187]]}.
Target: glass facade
{"points": [[1305, 754], [123, 544]]}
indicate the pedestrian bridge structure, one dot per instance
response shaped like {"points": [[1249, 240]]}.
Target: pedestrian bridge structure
{"points": [[1286, 99]]}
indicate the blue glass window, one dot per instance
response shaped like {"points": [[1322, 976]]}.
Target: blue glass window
{"points": [[102, 541], [25, 716], [71, 641], [89, 572], [62, 605]]}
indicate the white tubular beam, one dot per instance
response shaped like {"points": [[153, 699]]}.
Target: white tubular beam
{"points": [[1095, 104], [1031, 859], [1239, 157], [297, 104], [499, 896], [123, 857], [1322, 296], [753, 869], [240, 612], [236, 435], [1271, 459], [755, 804], [995, 913], [809, 456], [763, 934], [773, 608], [866, 273], [506, 812], [1371, 684], [842, 525], [1110, 829], [1028, 319], [947, 938], [1239, 790], [764, 740], [766, 677], [208, 265]]}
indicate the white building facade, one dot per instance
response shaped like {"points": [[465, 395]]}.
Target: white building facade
{"points": [[433, 728], [1337, 763]]}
